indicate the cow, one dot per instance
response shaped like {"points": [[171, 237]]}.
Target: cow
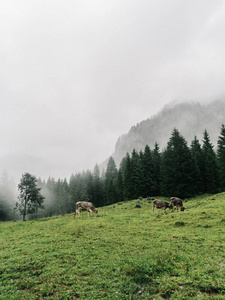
{"points": [[174, 201], [160, 204], [81, 205]]}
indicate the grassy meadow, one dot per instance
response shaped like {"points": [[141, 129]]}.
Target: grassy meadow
{"points": [[127, 252]]}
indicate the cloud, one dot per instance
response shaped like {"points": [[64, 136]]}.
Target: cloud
{"points": [[76, 75]]}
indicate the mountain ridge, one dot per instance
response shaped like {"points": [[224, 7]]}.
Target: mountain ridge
{"points": [[190, 118]]}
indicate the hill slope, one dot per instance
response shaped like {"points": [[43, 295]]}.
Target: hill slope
{"points": [[125, 253], [191, 119]]}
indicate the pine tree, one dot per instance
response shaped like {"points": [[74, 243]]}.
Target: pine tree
{"points": [[196, 152], [147, 168], [67, 199], [98, 188], [119, 186], [88, 186], [136, 175], [111, 192], [221, 157], [84, 193], [178, 170], [59, 198], [127, 180], [210, 176], [62, 201], [110, 184], [7, 197], [48, 192], [75, 188], [155, 172], [111, 170]]}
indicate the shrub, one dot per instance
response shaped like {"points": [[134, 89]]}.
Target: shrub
{"points": [[179, 223], [138, 204]]}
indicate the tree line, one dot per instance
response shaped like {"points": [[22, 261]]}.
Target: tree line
{"points": [[178, 170]]}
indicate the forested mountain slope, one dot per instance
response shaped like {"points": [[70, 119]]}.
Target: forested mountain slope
{"points": [[191, 119]]}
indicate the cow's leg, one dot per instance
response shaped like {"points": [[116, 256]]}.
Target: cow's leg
{"points": [[164, 210], [78, 211], [153, 208], [90, 211]]}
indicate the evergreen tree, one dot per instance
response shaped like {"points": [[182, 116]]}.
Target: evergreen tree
{"points": [[178, 170], [211, 180], [197, 155], [67, 199], [48, 192], [111, 192], [98, 188], [88, 185], [111, 170], [58, 198], [136, 175], [127, 180], [147, 168], [119, 186], [30, 198], [221, 157], [5, 210], [7, 197], [110, 184], [155, 172], [62, 197], [75, 188], [84, 193]]}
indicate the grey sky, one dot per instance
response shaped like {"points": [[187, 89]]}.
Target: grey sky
{"points": [[77, 74]]}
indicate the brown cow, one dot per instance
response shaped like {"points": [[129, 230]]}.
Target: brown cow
{"points": [[85, 206], [160, 204], [174, 201]]}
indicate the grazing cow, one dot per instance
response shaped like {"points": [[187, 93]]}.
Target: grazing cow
{"points": [[160, 204], [174, 201], [85, 206]]}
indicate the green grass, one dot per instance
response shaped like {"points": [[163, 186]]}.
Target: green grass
{"points": [[125, 253]]}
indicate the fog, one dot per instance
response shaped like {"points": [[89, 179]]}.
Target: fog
{"points": [[76, 75]]}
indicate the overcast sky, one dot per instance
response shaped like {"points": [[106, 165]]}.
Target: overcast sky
{"points": [[77, 74]]}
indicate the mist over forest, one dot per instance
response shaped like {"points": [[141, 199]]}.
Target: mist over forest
{"points": [[190, 118], [198, 128]]}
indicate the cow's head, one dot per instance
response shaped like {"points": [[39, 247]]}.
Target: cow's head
{"points": [[182, 208]]}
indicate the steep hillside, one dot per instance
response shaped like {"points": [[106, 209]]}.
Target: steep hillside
{"points": [[191, 119]]}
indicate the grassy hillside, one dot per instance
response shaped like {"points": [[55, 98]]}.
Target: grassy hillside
{"points": [[125, 253]]}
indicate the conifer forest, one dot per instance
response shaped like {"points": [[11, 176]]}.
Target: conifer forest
{"points": [[179, 170]]}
